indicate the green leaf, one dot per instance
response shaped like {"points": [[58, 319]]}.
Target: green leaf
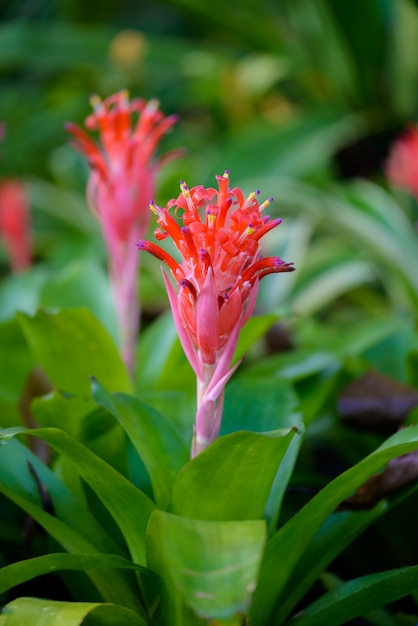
{"points": [[112, 488], [254, 329], [21, 292], [338, 531], [412, 365], [327, 283], [359, 596], [294, 246], [80, 418], [377, 203], [280, 483], [71, 345], [16, 361], [376, 223], [389, 356], [314, 391], [26, 44], [82, 283], [18, 468], [404, 64], [295, 365], [71, 525], [237, 472], [210, 566], [61, 410], [285, 549], [302, 147], [159, 354], [259, 405], [178, 405], [50, 613], [155, 438], [18, 573], [113, 586], [263, 405], [377, 617], [370, 333]]}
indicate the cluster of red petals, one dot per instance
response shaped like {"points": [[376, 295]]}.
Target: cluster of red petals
{"points": [[402, 165], [221, 259], [15, 226], [123, 167]]}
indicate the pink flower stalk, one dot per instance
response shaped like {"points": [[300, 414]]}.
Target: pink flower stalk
{"points": [[121, 183], [15, 225], [402, 165], [217, 283]]}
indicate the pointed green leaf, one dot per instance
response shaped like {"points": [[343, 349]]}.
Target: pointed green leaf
{"points": [[22, 571], [114, 586], [50, 613], [338, 531], [18, 468], [71, 525], [155, 438], [71, 345], [285, 548], [129, 507], [261, 405], [237, 472], [359, 596], [212, 567]]}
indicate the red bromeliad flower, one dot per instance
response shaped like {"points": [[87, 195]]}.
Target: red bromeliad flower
{"points": [[15, 227], [121, 183], [217, 283], [402, 165]]}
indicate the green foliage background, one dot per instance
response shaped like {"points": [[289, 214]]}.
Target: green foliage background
{"points": [[300, 99], [279, 93]]}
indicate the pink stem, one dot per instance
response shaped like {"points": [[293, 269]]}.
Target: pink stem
{"points": [[208, 416], [123, 271]]}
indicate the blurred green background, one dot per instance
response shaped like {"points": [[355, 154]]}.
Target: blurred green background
{"points": [[300, 99]]}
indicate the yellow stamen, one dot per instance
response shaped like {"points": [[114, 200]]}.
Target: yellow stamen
{"points": [[152, 105], [264, 205], [184, 190], [95, 101]]}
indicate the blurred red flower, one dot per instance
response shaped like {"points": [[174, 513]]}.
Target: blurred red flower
{"points": [[402, 165], [15, 224], [120, 186]]}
